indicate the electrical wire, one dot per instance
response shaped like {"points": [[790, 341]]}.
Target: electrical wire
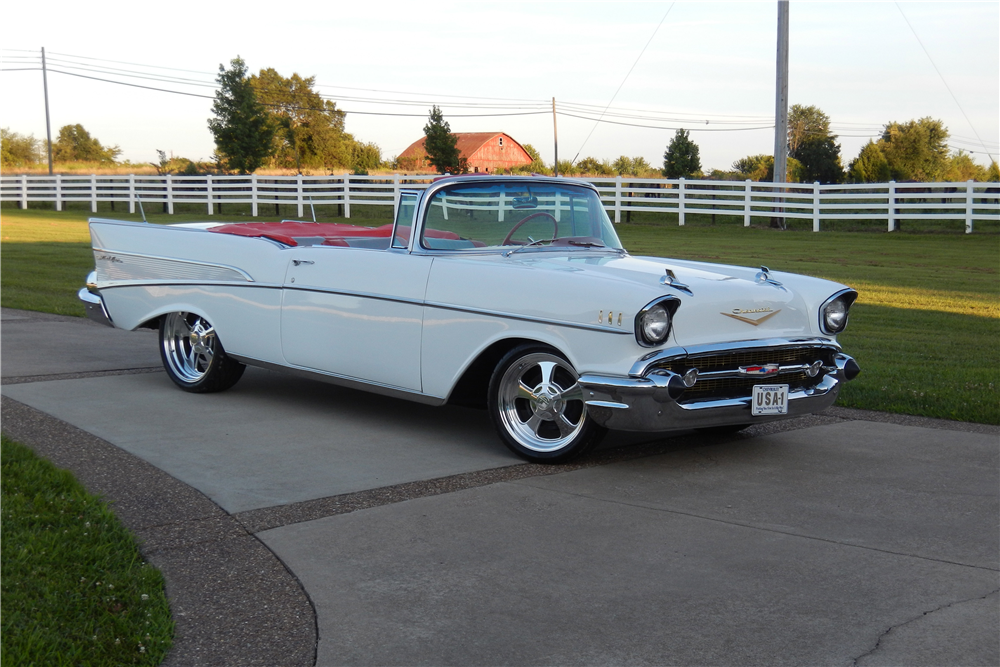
{"points": [[959, 104], [648, 42]]}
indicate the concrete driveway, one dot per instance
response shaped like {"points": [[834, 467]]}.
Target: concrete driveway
{"points": [[299, 523]]}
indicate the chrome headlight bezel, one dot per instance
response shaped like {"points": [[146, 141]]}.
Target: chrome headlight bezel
{"points": [[835, 312], [655, 321]]}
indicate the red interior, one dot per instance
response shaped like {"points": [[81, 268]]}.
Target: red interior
{"points": [[332, 233]]}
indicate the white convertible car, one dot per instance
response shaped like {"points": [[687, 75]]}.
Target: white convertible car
{"points": [[510, 293]]}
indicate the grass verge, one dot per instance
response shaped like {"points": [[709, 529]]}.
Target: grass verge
{"points": [[75, 588]]}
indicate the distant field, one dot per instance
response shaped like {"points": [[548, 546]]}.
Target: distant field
{"points": [[925, 329]]}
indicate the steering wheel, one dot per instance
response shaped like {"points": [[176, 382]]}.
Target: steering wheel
{"points": [[555, 226]]}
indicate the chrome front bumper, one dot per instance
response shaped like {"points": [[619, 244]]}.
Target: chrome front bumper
{"points": [[655, 401], [93, 303]]}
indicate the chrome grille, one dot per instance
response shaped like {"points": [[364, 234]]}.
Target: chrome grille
{"points": [[740, 387]]}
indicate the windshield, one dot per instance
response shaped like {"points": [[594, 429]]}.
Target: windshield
{"points": [[471, 216]]}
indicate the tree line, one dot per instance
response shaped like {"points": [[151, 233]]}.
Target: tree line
{"points": [[912, 151], [266, 120]]}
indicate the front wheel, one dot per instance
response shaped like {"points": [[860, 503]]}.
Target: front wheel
{"points": [[193, 356], [537, 406]]}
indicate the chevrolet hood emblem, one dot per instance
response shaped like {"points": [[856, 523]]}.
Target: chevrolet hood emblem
{"points": [[738, 314]]}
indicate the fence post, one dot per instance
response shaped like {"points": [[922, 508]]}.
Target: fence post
{"points": [[395, 195], [93, 193], [892, 206], [58, 192], [680, 202], [170, 194], [747, 198], [208, 192], [618, 198], [298, 194], [131, 193], [969, 201], [24, 192], [253, 195], [347, 195], [815, 206]]}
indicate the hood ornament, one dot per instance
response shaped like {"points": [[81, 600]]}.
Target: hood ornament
{"points": [[763, 277], [670, 280]]}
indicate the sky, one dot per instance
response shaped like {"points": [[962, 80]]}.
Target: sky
{"points": [[708, 67]]}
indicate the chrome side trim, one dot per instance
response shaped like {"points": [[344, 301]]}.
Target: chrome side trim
{"points": [[644, 365], [344, 381], [376, 297], [165, 268], [524, 318]]}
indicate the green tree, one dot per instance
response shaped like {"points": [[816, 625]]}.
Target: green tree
{"points": [[591, 165], [681, 159], [441, 145], [242, 129], [75, 144], [761, 168], [19, 150], [810, 142], [309, 131], [870, 166], [366, 158], [916, 150], [806, 123], [623, 166], [532, 152]]}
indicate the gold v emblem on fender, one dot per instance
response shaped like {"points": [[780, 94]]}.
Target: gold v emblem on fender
{"points": [[756, 322]]}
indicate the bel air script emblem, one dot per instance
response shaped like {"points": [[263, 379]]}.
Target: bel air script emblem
{"points": [[739, 314]]}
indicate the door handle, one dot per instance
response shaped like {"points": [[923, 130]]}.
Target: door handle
{"points": [[298, 262]]}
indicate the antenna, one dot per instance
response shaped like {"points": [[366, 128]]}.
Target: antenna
{"points": [[312, 208], [138, 198]]}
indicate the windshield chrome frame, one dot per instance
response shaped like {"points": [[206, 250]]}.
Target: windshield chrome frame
{"points": [[431, 190]]}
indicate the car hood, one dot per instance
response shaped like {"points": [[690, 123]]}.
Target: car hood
{"points": [[720, 302]]}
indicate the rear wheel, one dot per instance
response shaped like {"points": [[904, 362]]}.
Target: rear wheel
{"points": [[537, 406], [193, 355]]}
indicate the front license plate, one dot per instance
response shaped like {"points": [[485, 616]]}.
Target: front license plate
{"points": [[770, 399]]}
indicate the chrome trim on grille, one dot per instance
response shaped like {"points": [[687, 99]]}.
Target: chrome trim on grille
{"points": [[649, 362]]}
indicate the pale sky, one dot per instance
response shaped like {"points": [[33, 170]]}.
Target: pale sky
{"points": [[861, 63]]}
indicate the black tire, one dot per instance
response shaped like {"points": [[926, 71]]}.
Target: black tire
{"points": [[194, 357], [537, 407]]}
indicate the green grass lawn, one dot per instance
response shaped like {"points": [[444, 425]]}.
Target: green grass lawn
{"points": [[75, 590], [925, 329]]}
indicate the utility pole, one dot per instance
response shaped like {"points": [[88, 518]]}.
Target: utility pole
{"points": [[48, 126], [555, 136], [781, 98]]}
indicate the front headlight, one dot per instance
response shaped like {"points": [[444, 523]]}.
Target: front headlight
{"points": [[834, 313], [652, 324]]}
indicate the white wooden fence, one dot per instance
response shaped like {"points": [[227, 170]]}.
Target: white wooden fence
{"points": [[889, 203]]}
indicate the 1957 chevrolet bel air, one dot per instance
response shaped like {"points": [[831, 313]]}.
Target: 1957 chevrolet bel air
{"points": [[512, 293]]}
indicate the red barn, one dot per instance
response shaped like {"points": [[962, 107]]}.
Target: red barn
{"points": [[484, 152]]}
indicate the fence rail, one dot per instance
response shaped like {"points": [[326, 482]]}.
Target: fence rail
{"points": [[890, 202]]}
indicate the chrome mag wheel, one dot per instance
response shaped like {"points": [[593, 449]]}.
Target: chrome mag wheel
{"points": [[538, 407], [193, 356]]}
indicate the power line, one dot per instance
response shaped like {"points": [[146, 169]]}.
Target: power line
{"points": [[927, 53], [648, 42]]}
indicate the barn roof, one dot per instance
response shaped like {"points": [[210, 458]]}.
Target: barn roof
{"points": [[468, 143]]}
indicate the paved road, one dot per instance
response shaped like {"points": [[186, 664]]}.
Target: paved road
{"points": [[299, 524]]}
